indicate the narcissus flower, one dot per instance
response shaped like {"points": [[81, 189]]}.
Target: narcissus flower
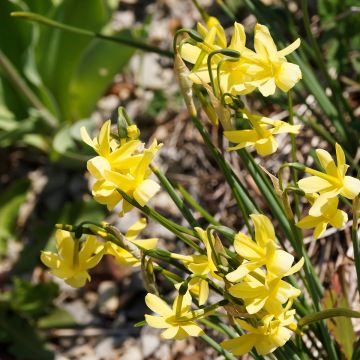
{"points": [[177, 320], [70, 263], [271, 333], [268, 67], [331, 182], [121, 164], [264, 251], [262, 134], [125, 257], [260, 290], [265, 69], [330, 214]]}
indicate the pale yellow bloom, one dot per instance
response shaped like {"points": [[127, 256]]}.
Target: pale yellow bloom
{"points": [[121, 164], [265, 69], [262, 134], [260, 290], [123, 256], [177, 320], [271, 333], [331, 182], [263, 252], [71, 264], [330, 214], [135, 183]]}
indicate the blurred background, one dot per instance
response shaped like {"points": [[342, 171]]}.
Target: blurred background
{"points": [[53, 82]]}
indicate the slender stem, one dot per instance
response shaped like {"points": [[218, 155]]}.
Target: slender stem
{"points": [[175, 197], [327, 314], [191, 201], [119, 39], [320, 60], [177, 230], [238, 192], [226, 10], [293, 153], [17, 80], [355, 239], [214, 344]]}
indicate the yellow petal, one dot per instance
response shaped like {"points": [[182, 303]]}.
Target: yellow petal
{"points": [[173, 332], [295, 268], [324, 206], [319, 229], [247, 248], [313, 184], [266, 146], [268, 87], [351, 187], [289, 49], [157, 322], [135, 229], [255, 305], [287, 76], [123, 182], [241, 345], [78, 280], [190, 53], [241, 136], [326, 162], [49, 259], [97, 166], [86, 138], [145, 191], [104, 139], [309, 222], [238, 38], [193, 330], [264, 229], [157, 305], [264, 44], [339, 219], [146, 243], [280, 263]]}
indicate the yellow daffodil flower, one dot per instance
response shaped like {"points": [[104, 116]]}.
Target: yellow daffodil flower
{"points": [[331, 182], [268, 67], [330, 214], [71, 264], [177, 320], [122, 255], [265, 69], [121, 164], [136, 183], [262, 134], [264, 251], [272, 332], [260, 290]]}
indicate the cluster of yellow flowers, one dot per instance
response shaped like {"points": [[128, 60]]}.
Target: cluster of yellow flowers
{"points": [[322, 190], [249, 276], [256, 287], [75, 257], [240, 71], [121, 164]]}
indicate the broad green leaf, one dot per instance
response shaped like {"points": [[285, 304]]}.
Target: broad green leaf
{"points": [[97, 68], [59, 52]]}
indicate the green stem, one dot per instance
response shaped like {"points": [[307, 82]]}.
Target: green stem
{"points": [[242, 198], [17, 80], [355, 240], [321, 63], [215, 345], [192, 202], [293, 153], [120, 39], [174, 228], [327, 314], [175, 197]]}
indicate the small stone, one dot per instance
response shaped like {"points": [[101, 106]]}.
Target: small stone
{"points": [[104, 349], [108, 301], [149, 343]]}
